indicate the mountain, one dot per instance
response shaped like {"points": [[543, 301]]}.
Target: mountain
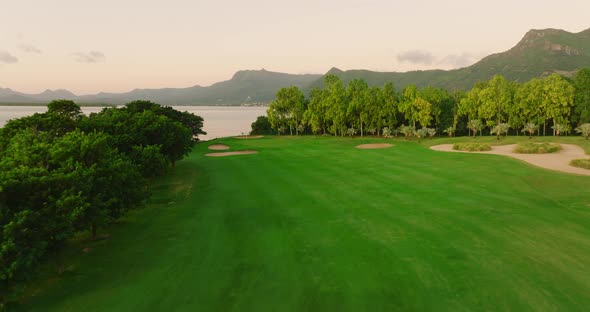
{"points": [[245, 87], [539, 53]]}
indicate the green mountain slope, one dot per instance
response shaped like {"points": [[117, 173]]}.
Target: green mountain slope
{"points": [[539, 53]]}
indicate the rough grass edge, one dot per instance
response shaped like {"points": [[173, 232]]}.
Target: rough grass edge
{"points": [[581, 163], [472, 147], [537, 148]]}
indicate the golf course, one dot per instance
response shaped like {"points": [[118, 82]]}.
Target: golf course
{"points": [[315, 224]]}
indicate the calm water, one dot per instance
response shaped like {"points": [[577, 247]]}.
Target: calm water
{"points": [[219, 121]]}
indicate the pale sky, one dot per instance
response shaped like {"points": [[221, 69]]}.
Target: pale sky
{"points": [[118, 45]]}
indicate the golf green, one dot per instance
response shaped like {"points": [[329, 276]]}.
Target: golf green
{"points": [[315, 224]]}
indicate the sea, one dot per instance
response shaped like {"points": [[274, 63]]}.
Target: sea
{"points": [[219, 121]]}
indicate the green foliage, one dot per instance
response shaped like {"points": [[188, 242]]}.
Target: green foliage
{"points": [[494, 104], [65, 108], [62, 172], [560, 129], [530, 128], [584, 129], [582, 96], [287, 109], [472, 147], [261, 126], [475, 125], [537, 148], [581, 163], [450, 131], [499, 129], [407, 131]]}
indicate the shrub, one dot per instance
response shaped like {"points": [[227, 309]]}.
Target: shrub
{"points": [[581, 163], [537, 148], [472, 147]]}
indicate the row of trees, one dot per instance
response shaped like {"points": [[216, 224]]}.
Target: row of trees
{"points": [[495, 106], [62, 172]]}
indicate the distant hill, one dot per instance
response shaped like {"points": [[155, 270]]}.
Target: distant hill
{"points": [[539, 53], [245, 87]]}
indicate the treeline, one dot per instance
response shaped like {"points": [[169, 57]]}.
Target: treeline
{"points": [[62, 172], [496, 106]]}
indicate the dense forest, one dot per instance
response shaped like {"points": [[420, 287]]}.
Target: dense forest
{"points": [[63, 173], [552, 105]]}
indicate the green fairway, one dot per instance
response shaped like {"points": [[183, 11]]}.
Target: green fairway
{"points": [[314, 224]]}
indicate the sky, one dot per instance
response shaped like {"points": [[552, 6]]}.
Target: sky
{"points": [[119, 45]]}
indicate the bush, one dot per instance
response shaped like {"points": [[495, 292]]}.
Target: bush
{"points": [[261, 126], [537, 148], [581, 163], [472, 147]]}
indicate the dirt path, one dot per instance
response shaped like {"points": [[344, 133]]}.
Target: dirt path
{"points": [[554, 161]]}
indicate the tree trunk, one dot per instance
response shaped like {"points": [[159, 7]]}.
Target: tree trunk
{"points": [[93, 231], [361, 126], [544, 126]]}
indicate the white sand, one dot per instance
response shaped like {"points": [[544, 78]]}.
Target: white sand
{"points": [[374, 145], [218, 147], [223, 154], [558, 161]]}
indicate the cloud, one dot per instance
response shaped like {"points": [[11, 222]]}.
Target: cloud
{"points": [[90, 57], [29, 48], [7, 58], [459, 60], [416, 57]]}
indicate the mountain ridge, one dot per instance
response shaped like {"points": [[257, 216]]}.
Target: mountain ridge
{"points": [[540, 52]]}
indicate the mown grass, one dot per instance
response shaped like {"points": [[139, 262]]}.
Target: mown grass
{"points": [[314, 224], [581, 163], [472, 147], [536, 148]]}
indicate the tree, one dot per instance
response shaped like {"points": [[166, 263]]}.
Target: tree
{"points": [[65, 108], [558, 129], [407, 131], [107, 182], [387, 112], [317, 111], [450, 131], [189, 120], [287, 109], [495, 99], [475, 125], [558, 99], [582, 96], [499, 129], [336, 103], [357, 95], [261, 126], [530, 128], [584, 129]]}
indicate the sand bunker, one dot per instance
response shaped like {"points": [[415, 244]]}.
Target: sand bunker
{"points": [[249, 136], [218, 147], [374, 145], [223, 154], [558, 161]]}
